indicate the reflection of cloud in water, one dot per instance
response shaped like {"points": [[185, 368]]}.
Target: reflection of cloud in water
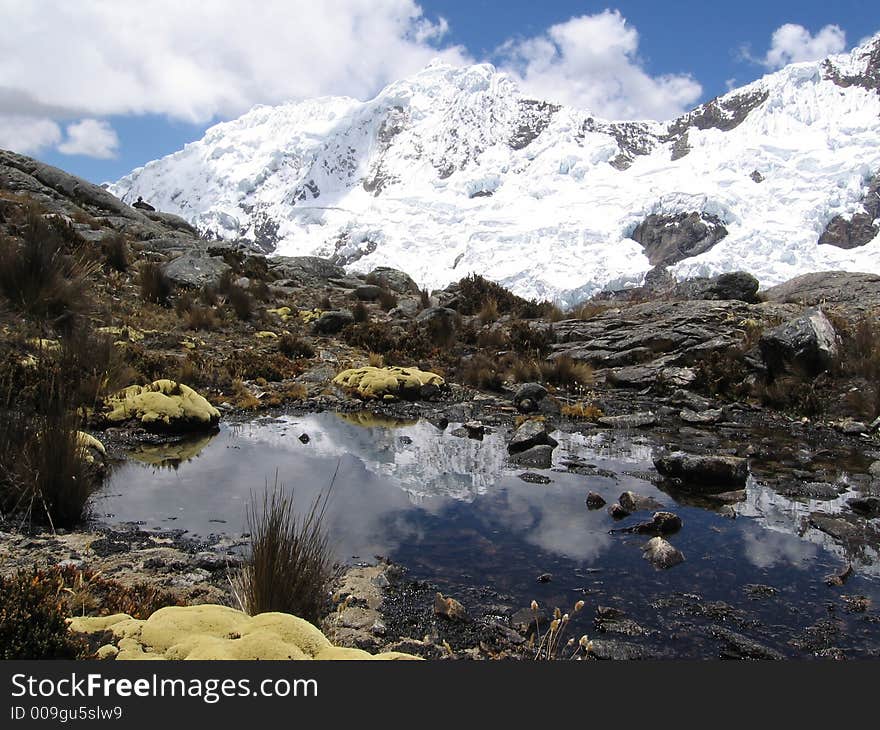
{"points": [[766, 548]]}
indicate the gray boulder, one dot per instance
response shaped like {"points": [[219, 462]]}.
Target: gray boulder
{"points": [[736, 285], [368, 292], [394, 279], [195, 270], [536, 457], [530, 434], [333, 322], [807, 344], [704, 473], [661, 554]]}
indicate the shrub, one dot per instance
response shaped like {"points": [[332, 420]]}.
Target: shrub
{"points": [[360, 313], [293, 347], [387, 300], [201, 318], [155, 286], [32, 618], [582, 411], [45, 472], [489, 311], [290, 566], [325, 304], [564, 371], [184, 304], [424, 299], [589, 310], [482, 372], [116, 253], [241, 302], [524, 370], [371, 336], [43, 277], [208, 296], [527, 339]]}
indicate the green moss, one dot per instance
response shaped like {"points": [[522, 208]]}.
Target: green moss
{"points": [[386, 383], [164, 404]]}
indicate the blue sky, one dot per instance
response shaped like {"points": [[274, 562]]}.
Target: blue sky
{"points": [[102, 88]]}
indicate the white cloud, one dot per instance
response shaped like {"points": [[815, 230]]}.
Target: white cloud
{"points": [[195, 61], [27, 135], [792, 43], [592, 62], [90, 137]]}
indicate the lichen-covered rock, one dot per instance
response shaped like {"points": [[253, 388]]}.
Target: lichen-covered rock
{"points": [[92, 449], [216, 632], [163, 405], [388, 383]]}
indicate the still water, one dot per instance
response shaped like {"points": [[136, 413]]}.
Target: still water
{"points": [[455, 512]]}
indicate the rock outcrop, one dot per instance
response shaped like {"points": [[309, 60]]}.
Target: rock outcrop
{"points": [[668, 239]]}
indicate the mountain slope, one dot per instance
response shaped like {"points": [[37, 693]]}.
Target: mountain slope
{"points": [[453, 171]]}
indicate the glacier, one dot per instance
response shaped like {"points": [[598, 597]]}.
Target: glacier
{"points": [[453, 171]]}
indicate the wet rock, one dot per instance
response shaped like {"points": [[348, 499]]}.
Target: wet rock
{"points": [[304, 438], [633, 502], [662, 554], [633, 420], [530, 434], [807, 344], [475, 430], [545, 578], [595, 501], [838, 579], [333, 322], [703, 418], [850, 529], [537, 457], [737, 646], [866, 506], [449, 608], [707, 473], [811, 490], [531, 478], [617, 512], [662, 523], [610, 650]]}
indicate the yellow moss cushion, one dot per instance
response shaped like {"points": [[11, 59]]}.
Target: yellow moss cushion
{"points": [[162, 403], [216, 632], [386, 383]]}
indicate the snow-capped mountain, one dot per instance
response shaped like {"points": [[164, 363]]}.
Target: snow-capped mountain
{"points": [[454, 171]]}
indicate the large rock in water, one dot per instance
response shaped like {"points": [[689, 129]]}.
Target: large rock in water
{"points": [[711, 474], [807, 345], [530, 434], [669, 239]]}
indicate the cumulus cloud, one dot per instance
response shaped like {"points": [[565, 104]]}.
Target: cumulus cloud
{"points": [[28, 135], [92, 138], [792, 43], [78, 63], [592, 62]]}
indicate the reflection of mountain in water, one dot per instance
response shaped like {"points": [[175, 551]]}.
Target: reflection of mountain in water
{"points": [[417, 457], [779, 514]]}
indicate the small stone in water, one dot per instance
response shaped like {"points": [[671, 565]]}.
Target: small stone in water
{"points": [[304, 438], [595, 501]]}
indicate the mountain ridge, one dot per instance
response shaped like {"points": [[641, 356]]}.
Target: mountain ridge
{"points": [[452, 171]]}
